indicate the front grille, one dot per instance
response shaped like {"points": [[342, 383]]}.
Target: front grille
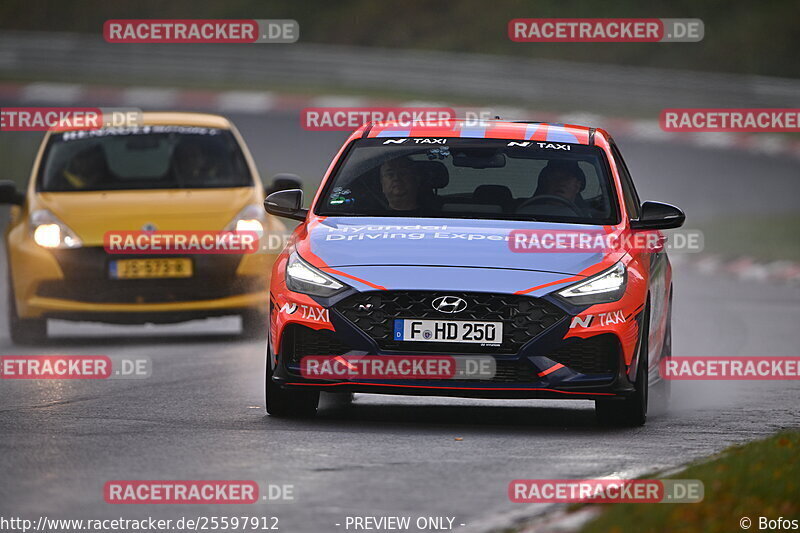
{"points": [[299, 341], [91, 263], [146, 291], [513, 371], [86, 279], [595, 355], [523, 317]]}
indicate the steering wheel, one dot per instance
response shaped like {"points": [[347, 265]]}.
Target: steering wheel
{"points": [[546, 197]]}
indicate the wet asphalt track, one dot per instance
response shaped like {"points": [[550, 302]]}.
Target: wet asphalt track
{"points": [[201, 416]]}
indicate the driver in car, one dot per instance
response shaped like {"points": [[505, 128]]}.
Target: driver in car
{"points": [[86, 169], [400, 184]]}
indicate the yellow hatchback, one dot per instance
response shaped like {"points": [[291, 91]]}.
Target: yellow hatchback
{"points": [[173, 174]]}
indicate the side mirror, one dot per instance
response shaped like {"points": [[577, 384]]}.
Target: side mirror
{"points": [[656, 215], [287, 204], [284, 182], [9, 193]]}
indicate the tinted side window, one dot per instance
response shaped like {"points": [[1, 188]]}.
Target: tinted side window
{"points": [[632, 203]]}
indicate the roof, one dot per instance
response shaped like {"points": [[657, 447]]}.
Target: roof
{"points": [[168, 118], [484, 129]]}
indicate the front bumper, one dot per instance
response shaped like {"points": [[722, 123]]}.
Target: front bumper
{"points": [[75, 285], [546, 363], [554, 382], [453, 391]]}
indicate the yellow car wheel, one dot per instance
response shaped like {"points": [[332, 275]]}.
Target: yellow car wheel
{"points": [[24, 330]]}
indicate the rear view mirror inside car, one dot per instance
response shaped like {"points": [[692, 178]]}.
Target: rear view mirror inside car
{"points": [[479, 159]]}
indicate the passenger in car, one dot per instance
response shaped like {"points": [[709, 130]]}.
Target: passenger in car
{"points": [[193, 163], [561, 178], [558, 190]]}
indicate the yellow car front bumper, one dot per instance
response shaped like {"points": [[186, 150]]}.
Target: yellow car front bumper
{"points": [[75, 284]]}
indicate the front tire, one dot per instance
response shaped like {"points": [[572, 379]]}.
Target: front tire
{"points": [[24, 331], [662, 390], [666, 355], [631, 411], [283, 403]]}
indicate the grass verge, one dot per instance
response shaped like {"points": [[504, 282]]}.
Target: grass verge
{"points": [[759, 479]]}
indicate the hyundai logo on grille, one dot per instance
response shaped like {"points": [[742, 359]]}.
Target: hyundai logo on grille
{"points": [[449, 304]]}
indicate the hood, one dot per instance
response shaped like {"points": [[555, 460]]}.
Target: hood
{"points": [[433, 278], [91, 214], [403, 242]]}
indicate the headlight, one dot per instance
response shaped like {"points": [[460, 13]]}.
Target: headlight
{"points": [[249, 224], [49, 232], [607, 286], [302, 277], [251, 218]]}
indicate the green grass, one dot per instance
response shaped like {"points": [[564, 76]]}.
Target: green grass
{"points": [[757, 479], [770, 237]]}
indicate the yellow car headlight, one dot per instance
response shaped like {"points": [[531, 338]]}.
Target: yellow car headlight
{"points": [[50, 232], [251, 218], [250, 224]]}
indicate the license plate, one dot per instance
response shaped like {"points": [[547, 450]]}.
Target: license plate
{"points": [[150, 268], [467, 331]]}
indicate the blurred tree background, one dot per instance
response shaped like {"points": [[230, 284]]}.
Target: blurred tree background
{"points": [[740, 36]]}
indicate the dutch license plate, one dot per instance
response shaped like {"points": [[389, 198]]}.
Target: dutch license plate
{"points": [[468, 331], [150, 268]]}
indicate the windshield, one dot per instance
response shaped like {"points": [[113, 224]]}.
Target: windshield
{"points": [[146, 157], [472, 178]]}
